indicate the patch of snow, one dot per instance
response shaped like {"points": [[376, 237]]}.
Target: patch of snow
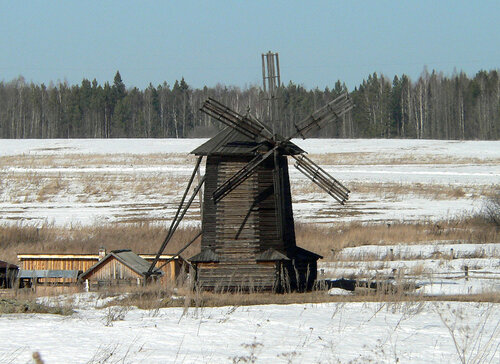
{"points": [[408, 332]]}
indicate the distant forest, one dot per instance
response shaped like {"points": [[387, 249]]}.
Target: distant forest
{"points": [[434, 106]]}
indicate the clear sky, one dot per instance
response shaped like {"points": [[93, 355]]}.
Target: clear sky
{"points": [[210, 42]]}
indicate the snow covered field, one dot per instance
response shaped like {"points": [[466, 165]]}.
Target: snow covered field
{"points": [[89, 181], [68, 182], [437, 267], [419, 332]]}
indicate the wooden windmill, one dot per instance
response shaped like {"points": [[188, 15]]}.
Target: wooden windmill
{"points": [[248, 236]]}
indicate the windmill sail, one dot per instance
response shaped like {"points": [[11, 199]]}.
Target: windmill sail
{"points": [[331, 111], [242, 124], [321, 178]]}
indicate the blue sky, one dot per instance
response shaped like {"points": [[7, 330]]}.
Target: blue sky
{"points": [[210, 42]]}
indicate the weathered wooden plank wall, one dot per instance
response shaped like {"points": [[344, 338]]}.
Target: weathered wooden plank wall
{"points": [[245, 223]]}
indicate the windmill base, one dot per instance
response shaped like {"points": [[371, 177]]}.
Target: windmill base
{"points": [[268, 276]]}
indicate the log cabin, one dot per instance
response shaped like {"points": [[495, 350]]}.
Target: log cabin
{"points": [[119, 267], [37, 264]]}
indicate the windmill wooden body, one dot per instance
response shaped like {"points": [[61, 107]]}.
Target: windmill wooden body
{"points": [[248, 236]]}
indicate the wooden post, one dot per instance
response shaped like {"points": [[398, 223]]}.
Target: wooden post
{"points": [[200, 194]]}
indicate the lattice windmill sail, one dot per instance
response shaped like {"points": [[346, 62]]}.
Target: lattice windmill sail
{"points": [[248, 235], [246, 126]]}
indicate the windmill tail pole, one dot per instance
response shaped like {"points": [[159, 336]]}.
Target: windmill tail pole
{"points": [[171, 233], [176, 220], [180, 251]]}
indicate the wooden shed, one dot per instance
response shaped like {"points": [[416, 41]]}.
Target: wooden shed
{"points": [[82, 262], [117, 268], [8, 274], [34, 277]]}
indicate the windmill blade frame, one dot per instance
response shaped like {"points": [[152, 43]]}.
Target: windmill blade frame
{"points": [[229, 117], [250, 128], [322, 178]]}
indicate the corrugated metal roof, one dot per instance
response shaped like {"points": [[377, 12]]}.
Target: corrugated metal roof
{"points": [[46, 273], [231, 142]]}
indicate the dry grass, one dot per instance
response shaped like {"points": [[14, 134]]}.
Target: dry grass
{"points": [[156, 159], [139, 237], [371, 158], [87, 186], [15, 305], [155, 297], [397, 191], [144, 237], [95, 160], [327, 240]]}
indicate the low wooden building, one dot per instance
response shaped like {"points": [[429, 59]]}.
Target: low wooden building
{"points": [[117, 268], [34, 277], [8, 274], [82, 262]]}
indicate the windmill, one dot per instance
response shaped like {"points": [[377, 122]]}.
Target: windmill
{"points": [[248, 236]]}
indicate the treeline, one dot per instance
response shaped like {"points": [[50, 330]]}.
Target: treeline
{"points": [[433, 106]]}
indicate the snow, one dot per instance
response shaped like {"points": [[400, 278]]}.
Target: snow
{"points": [[439, 268], [300, 333], [482, 150], [472, 166], [407, 332], [419, 251], [96, 146]]}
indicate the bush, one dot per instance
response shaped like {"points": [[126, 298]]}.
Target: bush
{"points": [[492, 210], [30, 306]]}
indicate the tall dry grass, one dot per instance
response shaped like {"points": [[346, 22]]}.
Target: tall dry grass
{"points": [[326, 240], [139, 237]]}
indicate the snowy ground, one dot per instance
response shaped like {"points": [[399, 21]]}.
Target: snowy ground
{"points": [[88, 181], [439, 267], [419, 332], [94, 181]]}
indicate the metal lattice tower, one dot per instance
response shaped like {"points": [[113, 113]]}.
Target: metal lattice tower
{"points": [[271, 82]]}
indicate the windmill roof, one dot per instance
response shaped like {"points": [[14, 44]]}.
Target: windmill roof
{"points": [[271, 255], [301, 253], [206, 255], [231, 142]]}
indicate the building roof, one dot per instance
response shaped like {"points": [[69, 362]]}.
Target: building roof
{"points": [[231, 142], [48, 273], [22, 256], [5, 265], [271, 255], [301, 253], [57, 256], [208, 255], [129, 259], [205, 256]]}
